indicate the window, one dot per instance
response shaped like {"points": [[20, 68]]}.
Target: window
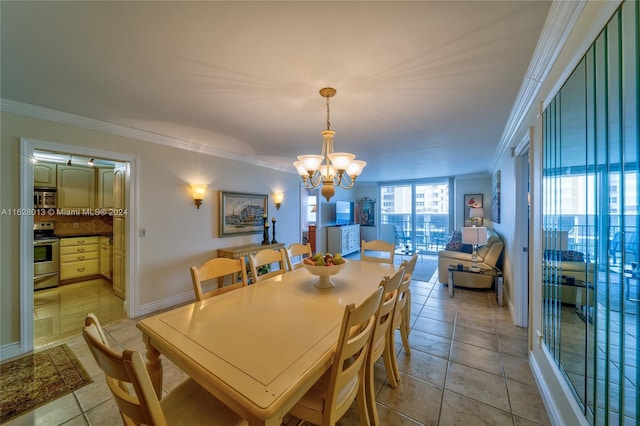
{"points": [[421, 224]]}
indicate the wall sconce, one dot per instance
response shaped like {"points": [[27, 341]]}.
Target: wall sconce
{"points": [[198, 194], [277, 198]]}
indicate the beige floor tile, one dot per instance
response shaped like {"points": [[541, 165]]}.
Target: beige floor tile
{"points": [[518, 369], [434, 326], [430, 343], [477, 357], [423, 366], [106, 413], [440, 314], [519, 421], [513, 346], [414, 398], [477, 384], [526, 402], [460, 410], [94, 393], [472, 336], [388, 416], [471, 321]]}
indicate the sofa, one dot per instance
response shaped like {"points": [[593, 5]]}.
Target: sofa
{"points": [[456, 252], [561, 264]]}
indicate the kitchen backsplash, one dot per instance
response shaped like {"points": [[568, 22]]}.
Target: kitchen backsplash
{"points": [[79, 225]]}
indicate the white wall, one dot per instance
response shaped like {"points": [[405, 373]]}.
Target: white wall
{"points": [[178, 234]]}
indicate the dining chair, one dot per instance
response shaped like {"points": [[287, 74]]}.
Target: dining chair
{"points": [[267, 258], [186, 404], [219, 268], [379, 340], [402, 321], [332, 395], [383, 251], [405, 325], [297, 251]]}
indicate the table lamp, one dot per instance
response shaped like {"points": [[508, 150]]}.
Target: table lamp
{"points": [[475, 214], [475, 236]]}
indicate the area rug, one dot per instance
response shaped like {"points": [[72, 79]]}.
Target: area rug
{"points": [[37, 379]]}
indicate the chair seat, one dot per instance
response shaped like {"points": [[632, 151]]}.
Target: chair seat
{"points": [[314, 399], [191, 404]]}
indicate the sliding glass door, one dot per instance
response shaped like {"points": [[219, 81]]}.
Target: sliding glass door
{"points": [[418, 212]]}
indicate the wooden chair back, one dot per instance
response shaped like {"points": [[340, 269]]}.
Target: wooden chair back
{"points": [[123, 372], [377, 251], [297, 251], [267, 257], [348, 366], [219, 268], [379, 339], [401, 320]]}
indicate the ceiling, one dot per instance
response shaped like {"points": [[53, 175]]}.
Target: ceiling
{"points": [[424, 88]]}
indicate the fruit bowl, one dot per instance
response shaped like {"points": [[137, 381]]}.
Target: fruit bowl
{"points": [[324, 273]]}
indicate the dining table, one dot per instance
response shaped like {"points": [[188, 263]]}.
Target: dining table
{"points": [[258, 349]]}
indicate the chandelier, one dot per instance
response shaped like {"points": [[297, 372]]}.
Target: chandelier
{"points": [[330, 168]]}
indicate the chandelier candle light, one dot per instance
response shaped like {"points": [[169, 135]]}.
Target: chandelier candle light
{"points": [[330, 168]]}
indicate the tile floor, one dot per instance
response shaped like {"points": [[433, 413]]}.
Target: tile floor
{"points": [[59, 312], [467, 366]]}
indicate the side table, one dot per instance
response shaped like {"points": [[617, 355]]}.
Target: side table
{"points": [[495, 273], [243, 251]]}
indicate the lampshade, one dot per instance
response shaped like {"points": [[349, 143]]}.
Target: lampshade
{"points": [[476, 212], [474, 235]]}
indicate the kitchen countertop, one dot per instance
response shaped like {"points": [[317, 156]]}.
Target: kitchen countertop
{"points": [[97, 234]]}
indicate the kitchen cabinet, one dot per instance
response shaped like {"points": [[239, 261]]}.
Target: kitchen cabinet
{"points": [[105, 187], [76, 187], [105, 257], [343, 239], [79, 257], [44, 175], [119, 234]]}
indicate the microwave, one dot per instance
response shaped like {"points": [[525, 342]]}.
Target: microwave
{"points": [[44, 198]]}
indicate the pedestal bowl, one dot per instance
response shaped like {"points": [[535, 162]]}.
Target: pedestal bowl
{"points": [[324, 273]]}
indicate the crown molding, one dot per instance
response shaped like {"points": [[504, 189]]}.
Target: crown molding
{"points": [[557, 27], [34, 111]]}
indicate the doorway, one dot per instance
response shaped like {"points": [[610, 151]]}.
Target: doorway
{"points": [[27, 148]]}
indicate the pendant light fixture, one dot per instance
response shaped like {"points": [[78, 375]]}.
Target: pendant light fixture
{"points": [[330, 168]]}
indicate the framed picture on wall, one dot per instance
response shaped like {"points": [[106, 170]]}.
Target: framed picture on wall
{"points": [[495, 198], [242, 213], [472, 201]]}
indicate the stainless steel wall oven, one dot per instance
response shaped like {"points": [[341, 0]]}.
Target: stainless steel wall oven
{"points": [[46, 252]]}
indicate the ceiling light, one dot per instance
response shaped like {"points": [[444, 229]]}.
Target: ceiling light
{"points": [[330, 168]]}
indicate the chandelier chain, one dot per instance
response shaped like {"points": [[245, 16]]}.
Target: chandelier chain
{"points": [[328, 122]]}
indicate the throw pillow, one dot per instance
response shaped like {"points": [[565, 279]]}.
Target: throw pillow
{"points": [[455, 242], [564, 255]]}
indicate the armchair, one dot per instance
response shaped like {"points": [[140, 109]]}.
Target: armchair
{"points": [[455, 253]]}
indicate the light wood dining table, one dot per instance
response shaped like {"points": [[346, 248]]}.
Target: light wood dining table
{"points": [[260, 348]]}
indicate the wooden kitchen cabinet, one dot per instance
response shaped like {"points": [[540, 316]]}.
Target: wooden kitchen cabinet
{"points": [[105, 257], [79, 257], [105, 187], [343, 239], [44, 175], [76, 187]]}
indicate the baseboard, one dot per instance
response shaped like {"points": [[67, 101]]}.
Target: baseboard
{"points": [[10, 350], [551, 401], [169, 302]]}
